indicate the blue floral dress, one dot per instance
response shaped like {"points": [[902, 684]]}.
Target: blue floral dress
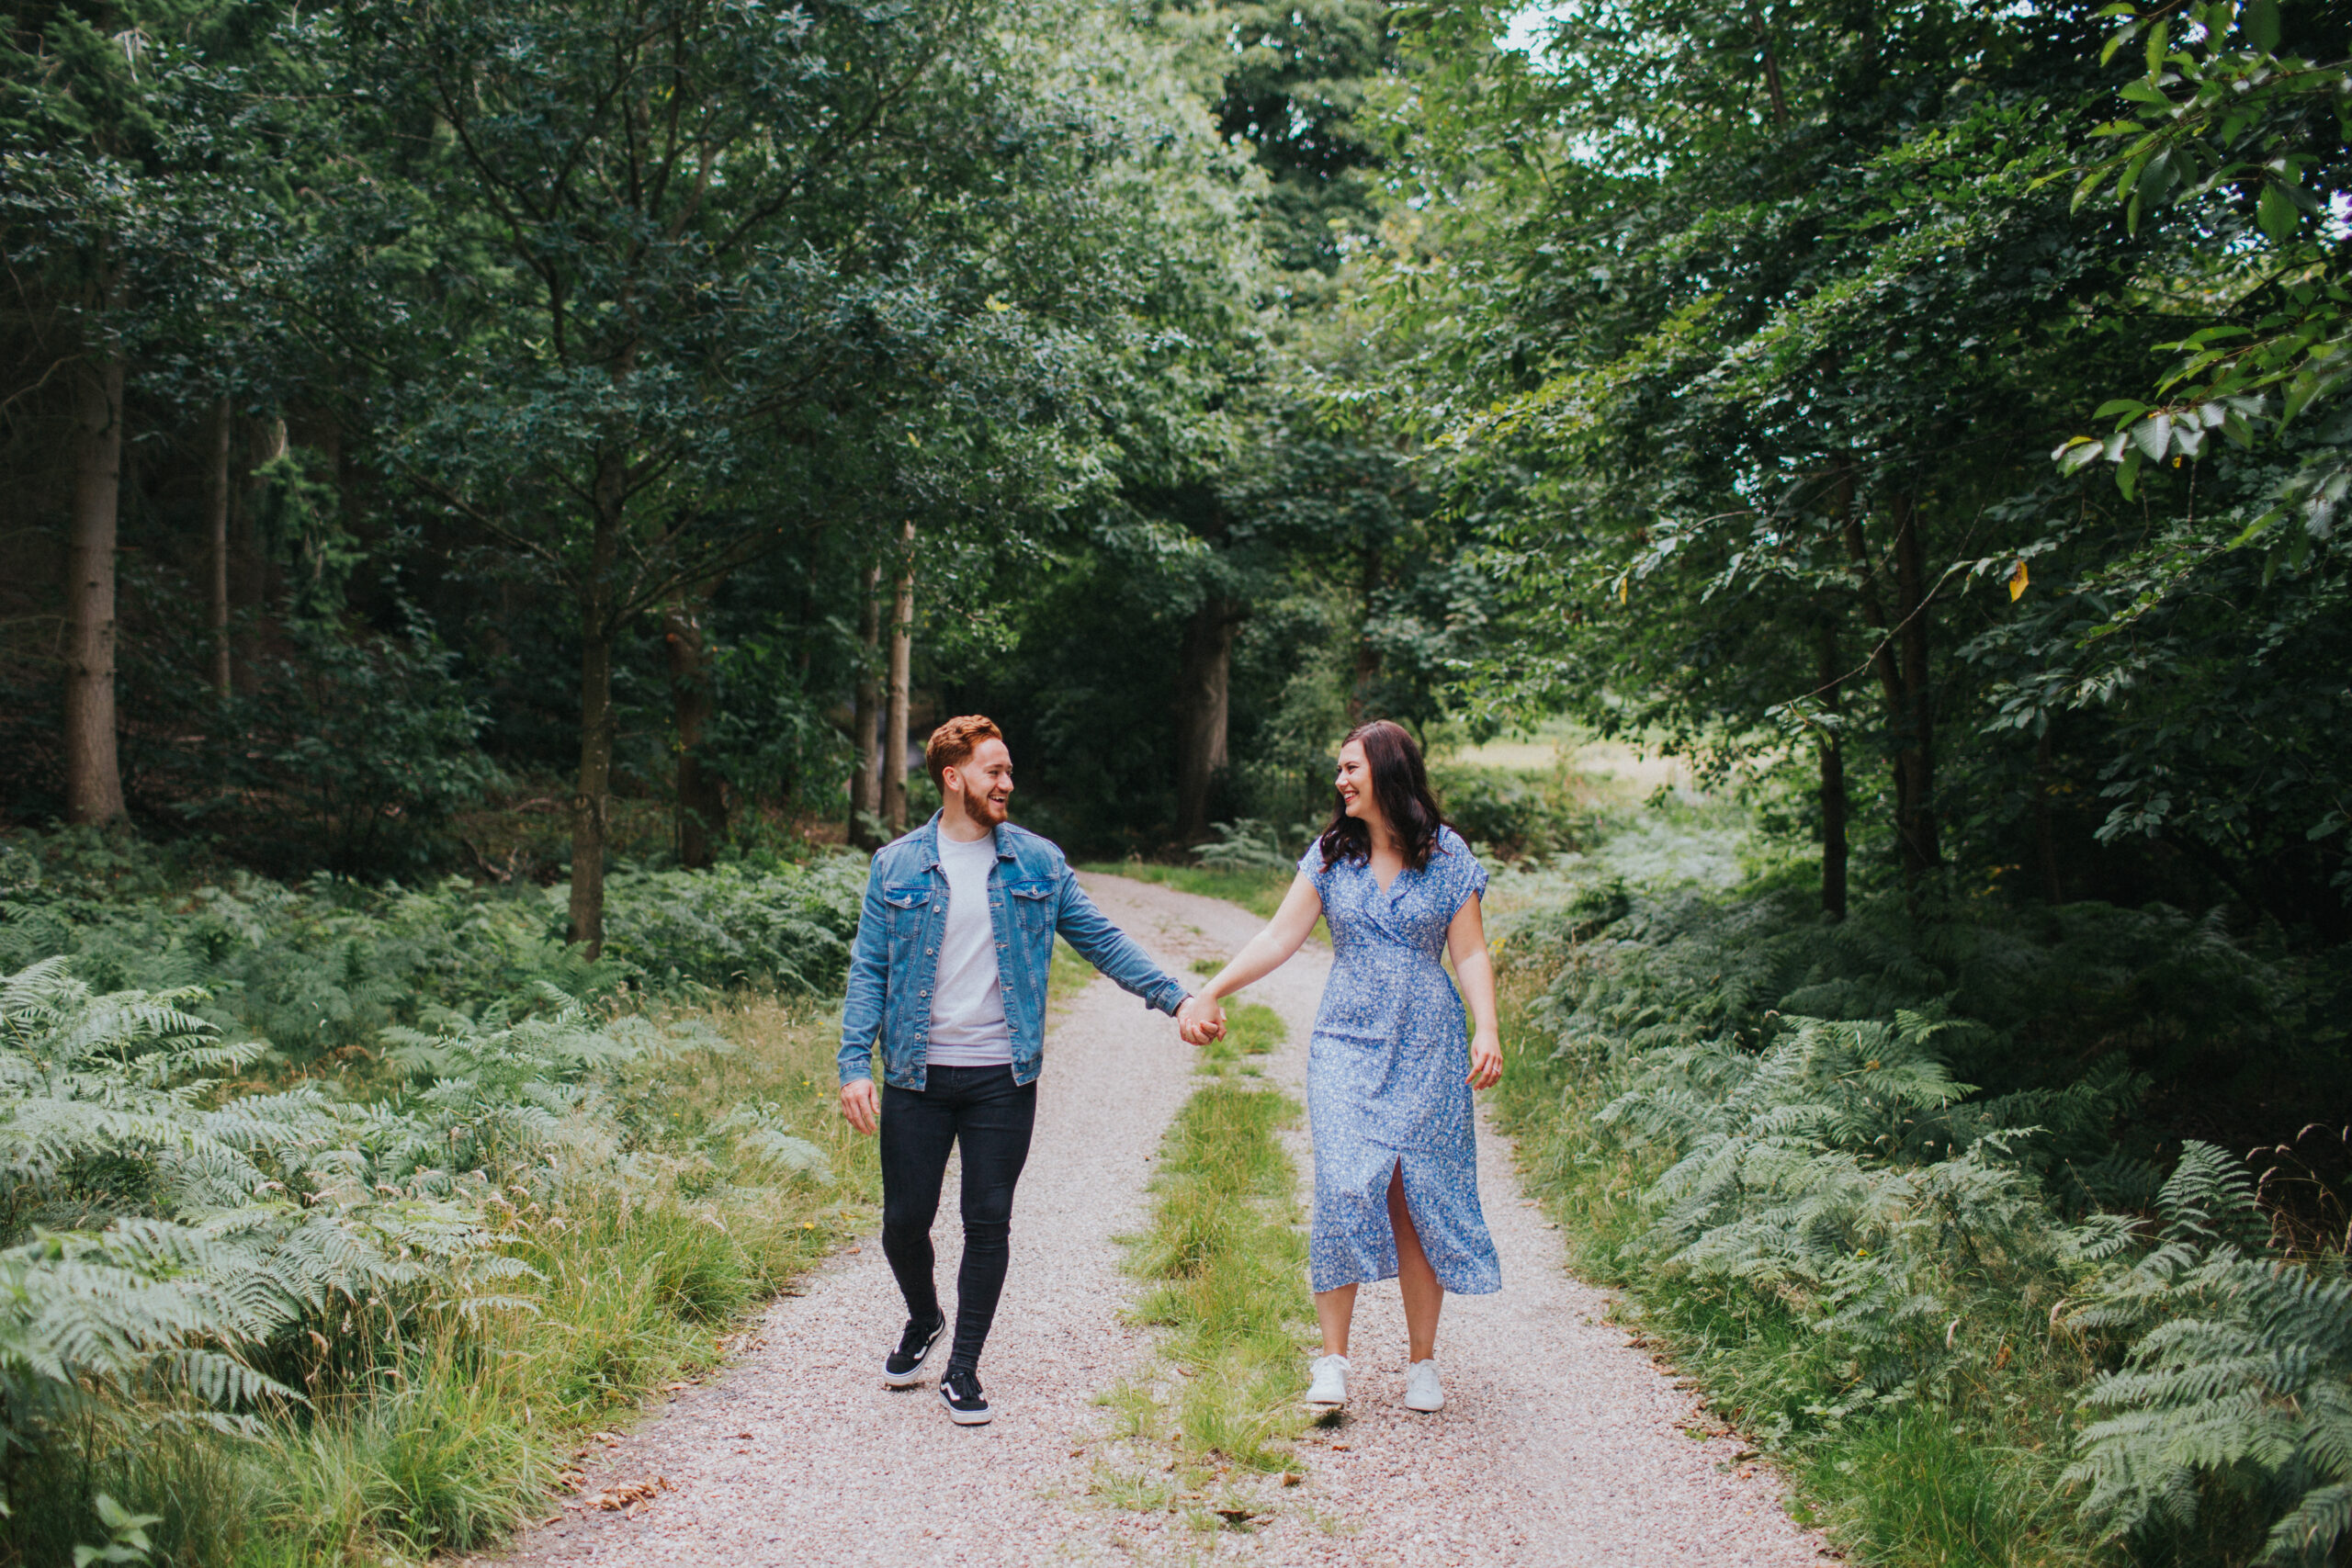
{"points": [[1386, 1076]]}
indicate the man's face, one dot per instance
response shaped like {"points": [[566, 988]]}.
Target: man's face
{"points": [[984, 779]]}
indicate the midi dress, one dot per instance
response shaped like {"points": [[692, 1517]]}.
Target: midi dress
{"points": [[1388, 1076]]}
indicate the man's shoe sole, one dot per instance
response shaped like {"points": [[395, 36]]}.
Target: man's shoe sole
{"points": [[913, 1374], [967, 1417]]}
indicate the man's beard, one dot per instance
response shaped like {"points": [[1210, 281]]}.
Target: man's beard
{"points": [[982, 809]]}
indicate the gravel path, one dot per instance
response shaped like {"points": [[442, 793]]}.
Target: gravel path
{"points": [[1560, 1443]]}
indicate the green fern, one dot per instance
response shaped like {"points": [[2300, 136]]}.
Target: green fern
{"points": [[2241, 1379], [162, 1242]]}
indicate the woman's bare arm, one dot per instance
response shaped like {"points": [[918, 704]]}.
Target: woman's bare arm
{"points": [[1271, 948], [1465, 943]]}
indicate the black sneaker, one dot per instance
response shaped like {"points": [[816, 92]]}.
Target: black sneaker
{"points": [[905, 1363], [967, 1406]]}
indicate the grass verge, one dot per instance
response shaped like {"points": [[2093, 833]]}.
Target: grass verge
{"points": [[470, 1425], [1215, 1436], [1971, 1484]]}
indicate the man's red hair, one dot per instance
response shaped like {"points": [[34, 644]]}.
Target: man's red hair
{"points": [[953, 743]]}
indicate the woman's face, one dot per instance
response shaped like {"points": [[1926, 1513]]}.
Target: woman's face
{"points": [[1354, 784]]}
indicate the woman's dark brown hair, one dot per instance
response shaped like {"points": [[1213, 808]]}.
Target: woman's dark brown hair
{"points": [[1401, 785]]}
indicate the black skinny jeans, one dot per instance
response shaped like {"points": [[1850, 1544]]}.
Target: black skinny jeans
{"points": [[993, 1116]]}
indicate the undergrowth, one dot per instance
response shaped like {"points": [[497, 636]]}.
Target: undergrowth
{"points": [[296, 1330], [1894, 1193], [350, 1296], [320, 969]]}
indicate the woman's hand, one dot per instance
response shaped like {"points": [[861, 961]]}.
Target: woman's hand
{"points": [[1486, 1059], [1200, 1020]]}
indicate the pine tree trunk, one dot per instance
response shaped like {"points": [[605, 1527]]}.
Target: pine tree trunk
{"points": [[93, 770], [701, 802], [216, 506], [894, 724], [865, 717], [1833, 783], [1204, 709]]}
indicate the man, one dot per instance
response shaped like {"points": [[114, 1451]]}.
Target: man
{"points": [[948, 976]]}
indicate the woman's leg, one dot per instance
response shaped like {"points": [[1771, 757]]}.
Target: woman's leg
{"points": [[1335, 1309], [1423, 1295]]}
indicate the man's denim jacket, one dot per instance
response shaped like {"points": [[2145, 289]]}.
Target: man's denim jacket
{"points": [[895, 958]]}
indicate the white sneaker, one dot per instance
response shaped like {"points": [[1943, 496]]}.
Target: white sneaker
{"points": [[1331, 1385], [1421, 1391]]}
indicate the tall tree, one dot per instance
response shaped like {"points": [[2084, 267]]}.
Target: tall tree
{"points": [[703, 241]]}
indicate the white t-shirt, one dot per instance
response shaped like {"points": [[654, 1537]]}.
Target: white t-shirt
{"points": [[967, 1027]]}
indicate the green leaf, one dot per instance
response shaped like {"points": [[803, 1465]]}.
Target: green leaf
{"points": [[2259, 26], [2127, 477], [2151, 434], [2113, 405], [2275, 210], [2259, 527], [2158, 37]]}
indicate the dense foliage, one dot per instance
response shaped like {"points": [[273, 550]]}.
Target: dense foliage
{"points": [[286, 1178], [1909, 1194]]}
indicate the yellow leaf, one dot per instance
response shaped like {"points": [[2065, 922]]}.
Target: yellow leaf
{"points": [[2017, 581], [1624, 586]]}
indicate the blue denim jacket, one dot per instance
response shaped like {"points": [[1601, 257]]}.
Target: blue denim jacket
{"points": [[1031, 894]]}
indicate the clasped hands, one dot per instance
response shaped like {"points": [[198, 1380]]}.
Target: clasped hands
{"points": [[1200, 1020]]}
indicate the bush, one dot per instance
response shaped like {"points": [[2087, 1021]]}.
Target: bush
{"points": [[783, 927], [1880, 1184], [322, 970], [1514, 814]]}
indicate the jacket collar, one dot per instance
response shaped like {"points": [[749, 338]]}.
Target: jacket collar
{"points": [[927, 841]]}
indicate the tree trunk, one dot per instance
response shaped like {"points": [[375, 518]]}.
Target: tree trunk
{"points": [[702, 801], [1833, 783], [92, 771], [1204, 707], [894, 724], [592, 799], [1913, 770], [865, 718], [216, 505], [1921, 845]]}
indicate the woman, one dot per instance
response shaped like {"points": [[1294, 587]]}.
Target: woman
{"points": [[1389, 1075]]}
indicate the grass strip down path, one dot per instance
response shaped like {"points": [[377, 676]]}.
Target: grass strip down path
{"points": [[1226, 1259]]}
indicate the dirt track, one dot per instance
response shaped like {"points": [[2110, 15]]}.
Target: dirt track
{"points": [[1560, 1443]]}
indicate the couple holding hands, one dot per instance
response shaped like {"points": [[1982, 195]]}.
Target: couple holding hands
{"points": [[947, 986]]}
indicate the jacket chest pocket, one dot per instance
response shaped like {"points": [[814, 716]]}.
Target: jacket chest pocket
{"points": [[1031, 903], [908, 904]]}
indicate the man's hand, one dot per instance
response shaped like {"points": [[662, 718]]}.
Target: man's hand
{"points": [[860, 1107], [1486, 1060], [1199, 1021]]}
